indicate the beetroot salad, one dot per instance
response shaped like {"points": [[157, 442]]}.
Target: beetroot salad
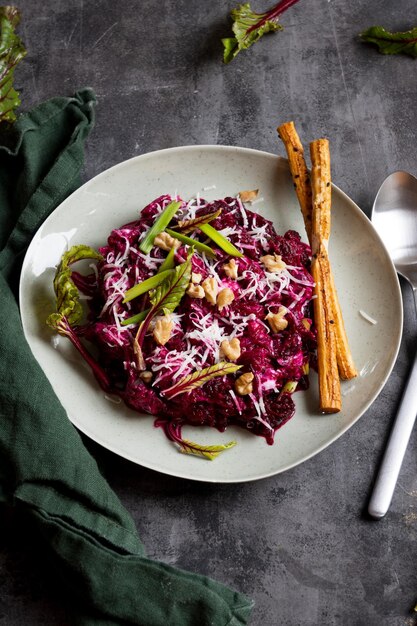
{"points": [[199, 313]]}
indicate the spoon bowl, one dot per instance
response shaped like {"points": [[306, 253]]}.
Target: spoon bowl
{"points": [[394, 216]]}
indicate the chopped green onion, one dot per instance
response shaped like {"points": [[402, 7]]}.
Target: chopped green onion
{"points": [[289, 387], [164, 271], [169, 262], [136, 319], [201, 247], [218, 239], [146, 285], [160, 224]]}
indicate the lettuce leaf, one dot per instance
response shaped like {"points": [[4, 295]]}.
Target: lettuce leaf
{"points": [[248, 27], [392, 43], [11, 52]]}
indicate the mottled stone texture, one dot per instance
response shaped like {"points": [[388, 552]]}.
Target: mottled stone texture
{"points": [[299, 543]]}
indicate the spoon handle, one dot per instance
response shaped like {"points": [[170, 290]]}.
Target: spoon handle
{"points": [[395, 450]]}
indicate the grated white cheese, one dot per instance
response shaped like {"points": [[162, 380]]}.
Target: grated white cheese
{"points": [[259, 413], [235, 400], [367, 317], [259, 234], [257, 201], [114, 399], [297, 298], [242, 212], [211, 265], [228, 230]]}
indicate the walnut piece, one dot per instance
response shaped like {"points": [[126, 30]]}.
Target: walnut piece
{"points": [[195, 291], [231, 269], [146, 376], [166, 242], [225, 297], [196, 278], [273, 263], [243, 384], [230, 349], [162, 329], [211, 289], [248, 196], [277, 321]]}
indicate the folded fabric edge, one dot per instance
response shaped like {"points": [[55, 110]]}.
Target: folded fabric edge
{"points": [[43, 113], [135, 588], [69, 512]]}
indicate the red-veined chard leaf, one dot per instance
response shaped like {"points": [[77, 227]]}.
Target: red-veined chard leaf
{"points": [[67, 296], [69, 312], [248, 27], [187, 226], [207, 452], [11, 52], [199, 377], [392, 43], [173, 432]]}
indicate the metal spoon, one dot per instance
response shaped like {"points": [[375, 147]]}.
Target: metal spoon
{"points": [[394, 216]]}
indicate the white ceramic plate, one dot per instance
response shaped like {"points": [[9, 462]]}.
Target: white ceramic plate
{"points": [[363, 272]]}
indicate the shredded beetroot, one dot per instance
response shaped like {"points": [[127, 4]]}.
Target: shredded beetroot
{"points": [[274, 358]]}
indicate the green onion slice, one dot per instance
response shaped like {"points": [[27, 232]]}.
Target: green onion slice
{"points": [[169, 262], [136, 319], [221, 241], [201, 247], [160, 224], [146, 285]]}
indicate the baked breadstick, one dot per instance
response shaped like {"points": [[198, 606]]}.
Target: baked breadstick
{"points": [[299, 172], [329, 382]]}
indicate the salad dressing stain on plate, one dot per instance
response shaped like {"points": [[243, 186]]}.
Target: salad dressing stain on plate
{"points": [[363, 273]]}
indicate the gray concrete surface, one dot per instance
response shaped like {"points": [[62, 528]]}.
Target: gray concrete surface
{"points": [[300, 543]]}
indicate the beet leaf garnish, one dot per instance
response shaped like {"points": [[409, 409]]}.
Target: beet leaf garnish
{"points": [[173, 432], [199, 377], [248, 27], [187, 226], [11, 52], [69, 311], [392, 43]]}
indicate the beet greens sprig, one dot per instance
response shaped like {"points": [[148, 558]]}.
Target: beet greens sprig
{"points": [[69, 312], [248, 27], [11, 52]]}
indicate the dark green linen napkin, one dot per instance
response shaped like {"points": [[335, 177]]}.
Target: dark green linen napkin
{"points": [[45, 470]]}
